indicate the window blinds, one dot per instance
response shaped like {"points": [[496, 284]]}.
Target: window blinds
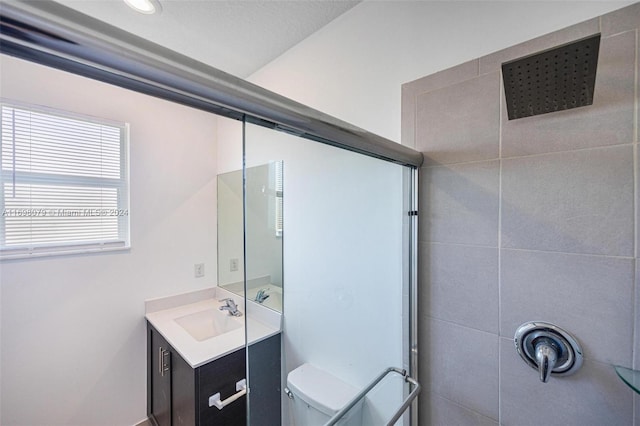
{"points": [[64, 183]]}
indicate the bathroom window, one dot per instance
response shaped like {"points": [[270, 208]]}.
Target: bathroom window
{"points": [[65, 185]]}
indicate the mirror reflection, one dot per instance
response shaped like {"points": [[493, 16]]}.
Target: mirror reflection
{"points": [[264, 233]]}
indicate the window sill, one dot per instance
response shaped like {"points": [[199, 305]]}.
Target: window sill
{"points": [[34, 253]]}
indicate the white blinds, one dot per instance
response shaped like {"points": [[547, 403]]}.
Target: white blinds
{"points": [[64, 183]]}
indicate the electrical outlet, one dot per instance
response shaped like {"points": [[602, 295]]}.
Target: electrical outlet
{"points": [[233, 264], [198, 270]]}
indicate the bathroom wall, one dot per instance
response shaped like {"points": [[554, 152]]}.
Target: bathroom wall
{"points": [[73, 341], [530, 219], [353, 67]]}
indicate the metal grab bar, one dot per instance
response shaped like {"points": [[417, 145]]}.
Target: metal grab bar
{"points": [[405, 404]]}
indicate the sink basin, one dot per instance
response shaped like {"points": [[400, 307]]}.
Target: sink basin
{"points": [[209, 323]]}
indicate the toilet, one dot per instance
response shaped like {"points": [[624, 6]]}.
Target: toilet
{"points": [[318, 395]]}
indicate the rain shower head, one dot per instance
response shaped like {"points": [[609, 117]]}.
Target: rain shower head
{"points": [[552, 80]]}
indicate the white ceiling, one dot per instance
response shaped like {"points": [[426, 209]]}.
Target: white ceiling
{"points": [[238, 37]]}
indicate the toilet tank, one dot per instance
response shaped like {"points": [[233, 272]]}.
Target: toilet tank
{"points": [[318, 395]]}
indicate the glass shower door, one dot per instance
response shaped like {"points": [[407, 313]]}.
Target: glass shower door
{"points": [[326, 236]]}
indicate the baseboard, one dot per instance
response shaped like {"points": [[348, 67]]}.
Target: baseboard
{"points": [[145, 422]]}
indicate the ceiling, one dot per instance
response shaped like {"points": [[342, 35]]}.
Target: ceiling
{"points": [[238, 37]]}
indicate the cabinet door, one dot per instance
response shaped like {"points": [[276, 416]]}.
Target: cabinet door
{"points": [[221, 376], [158, 378]]}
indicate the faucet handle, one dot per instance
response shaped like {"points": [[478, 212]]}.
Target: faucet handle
{"points": [[546, 356]]}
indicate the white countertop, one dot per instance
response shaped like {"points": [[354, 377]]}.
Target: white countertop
{"points": [[261, 323]]}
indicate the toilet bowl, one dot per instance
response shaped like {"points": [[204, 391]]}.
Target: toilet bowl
{"points": [[318, 395]]}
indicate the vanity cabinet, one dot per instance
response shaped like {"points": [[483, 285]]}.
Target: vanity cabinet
{"points": [[178, 395]]}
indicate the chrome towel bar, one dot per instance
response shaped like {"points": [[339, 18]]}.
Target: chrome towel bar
{"points": [[241, 387]]}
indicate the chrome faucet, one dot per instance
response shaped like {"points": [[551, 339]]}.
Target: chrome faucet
{"points": [[262, 295], [230, 306]]}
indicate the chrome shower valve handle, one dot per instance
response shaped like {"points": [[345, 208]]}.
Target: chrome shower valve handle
{"points": [[546, 357], [548, 348]]}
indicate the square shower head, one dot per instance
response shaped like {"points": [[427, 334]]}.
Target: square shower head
{"points": [[553, 80]]}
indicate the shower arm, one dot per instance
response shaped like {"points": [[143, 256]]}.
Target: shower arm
{"points": [[398, 413]]}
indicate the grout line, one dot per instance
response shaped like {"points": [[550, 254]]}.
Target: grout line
{"points": [[414, 142], [636, 332], [464, 163], [636, 312], [570, 253], [606, 256], [637, 100], [432, 318], [500, 112], [635, 335], [458, 244], [635, 200], [635, 193], [608, 36]]}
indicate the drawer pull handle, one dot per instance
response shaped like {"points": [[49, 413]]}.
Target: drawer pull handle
{"points": [[241, 387], [163, 360]]}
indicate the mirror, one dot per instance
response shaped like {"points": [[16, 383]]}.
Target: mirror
{"points": [[264, 223]]}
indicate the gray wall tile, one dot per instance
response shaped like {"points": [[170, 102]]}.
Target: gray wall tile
{"points": [[459, 204], [460, 123], [609, 121], [411, 90], [444, 78], [627, 18], [493, 61], [438, 411], [460, 364], [577, 202], [460, 284], [591, 297], [593, 396], [408, 118], [571, 191]]}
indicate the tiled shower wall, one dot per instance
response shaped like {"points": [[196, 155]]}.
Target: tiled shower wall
{"points": [[530, 219]]}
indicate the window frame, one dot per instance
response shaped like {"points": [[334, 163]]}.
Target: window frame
{"points": [[122, 185]]}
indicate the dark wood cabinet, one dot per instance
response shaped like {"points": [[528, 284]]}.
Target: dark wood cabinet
{"points": [[159, 395], [178, 395]]}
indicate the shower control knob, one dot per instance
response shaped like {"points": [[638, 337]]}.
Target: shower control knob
{"points": [[546, 357], [548, 348]]}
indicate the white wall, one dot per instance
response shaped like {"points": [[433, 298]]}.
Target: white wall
{"points": [[353, 67], [73, 340]]}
